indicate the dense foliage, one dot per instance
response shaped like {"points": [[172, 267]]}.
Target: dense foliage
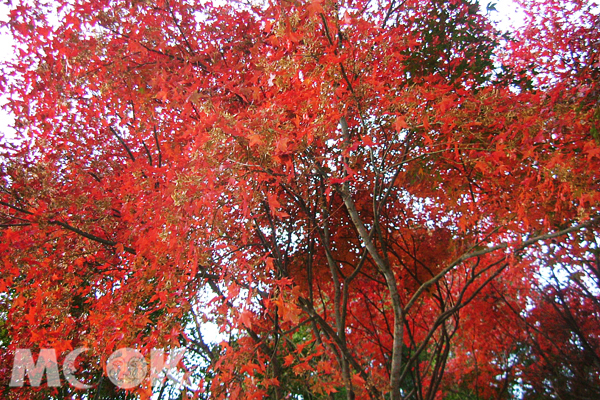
{"points": [[369, 199]]}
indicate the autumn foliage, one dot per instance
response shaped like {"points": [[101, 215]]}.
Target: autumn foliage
{"points": [[369, 199]]}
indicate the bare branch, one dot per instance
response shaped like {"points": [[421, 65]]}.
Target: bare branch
{"points": [[122, 143], [90, 236]]}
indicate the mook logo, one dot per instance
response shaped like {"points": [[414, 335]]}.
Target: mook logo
{"points": [[126, 367]]}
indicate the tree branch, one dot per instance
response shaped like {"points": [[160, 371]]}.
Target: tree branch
{"points": [[122, 143], [90, 236], [482, 252]]}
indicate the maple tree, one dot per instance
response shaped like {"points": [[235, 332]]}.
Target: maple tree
{"points": [[368, 198]]}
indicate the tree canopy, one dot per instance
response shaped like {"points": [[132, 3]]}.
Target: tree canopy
{"points": [[369, 198]]}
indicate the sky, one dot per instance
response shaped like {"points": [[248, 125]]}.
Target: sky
{"points": [[5, 42]]}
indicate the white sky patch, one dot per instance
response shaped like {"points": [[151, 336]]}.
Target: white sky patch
{"points": [[6, 42], [508, 15]]}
